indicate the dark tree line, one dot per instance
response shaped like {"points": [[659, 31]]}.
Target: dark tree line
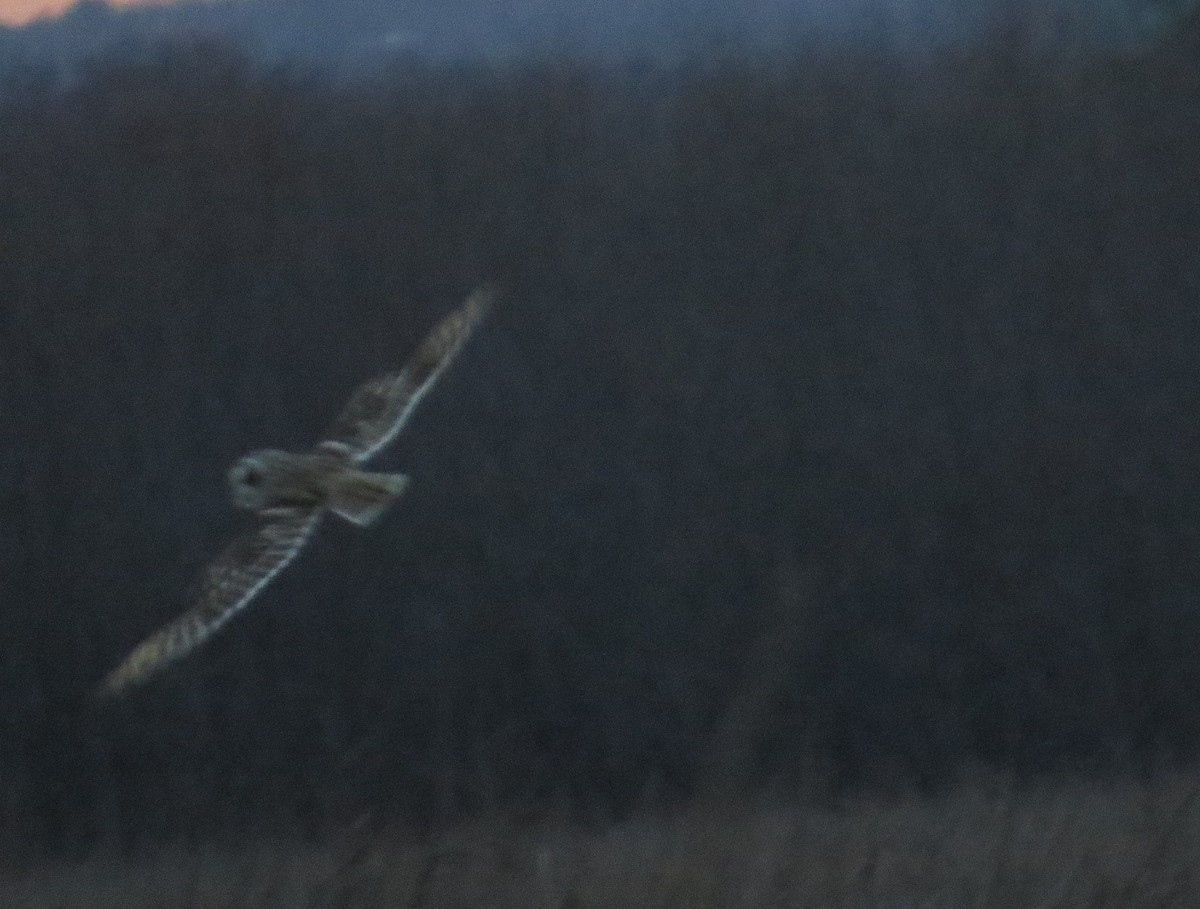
{"points": [[838, 427]]}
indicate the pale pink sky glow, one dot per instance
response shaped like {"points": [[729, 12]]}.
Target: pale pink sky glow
{"points": [[16, 12]]}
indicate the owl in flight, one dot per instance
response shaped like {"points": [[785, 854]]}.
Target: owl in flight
{"points": [[290, 493]]}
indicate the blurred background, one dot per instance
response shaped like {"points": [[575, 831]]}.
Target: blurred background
{"points": [[836, 430]]}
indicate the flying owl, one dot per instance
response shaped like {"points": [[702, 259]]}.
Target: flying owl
{"points": [[290, 493]]}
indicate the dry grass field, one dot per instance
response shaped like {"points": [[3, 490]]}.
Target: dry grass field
{"points": [[1077, 843]]}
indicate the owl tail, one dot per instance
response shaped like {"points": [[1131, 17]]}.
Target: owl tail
{"points": [[361, 497]]}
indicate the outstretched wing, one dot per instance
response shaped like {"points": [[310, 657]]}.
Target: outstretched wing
{"points": [[378, 410], [230, 582]]}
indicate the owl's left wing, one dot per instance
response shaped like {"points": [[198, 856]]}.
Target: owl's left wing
{"points": [[230, 582], [378, 409]]}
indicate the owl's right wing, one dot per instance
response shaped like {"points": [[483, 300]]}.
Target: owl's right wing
{"points": [[230, 582], [378, 409]]}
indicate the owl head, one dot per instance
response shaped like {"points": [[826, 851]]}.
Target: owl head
{"points": [[251, 481], [268, 479]]}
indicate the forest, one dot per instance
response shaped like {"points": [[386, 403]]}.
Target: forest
{"points": [[835, 432]]}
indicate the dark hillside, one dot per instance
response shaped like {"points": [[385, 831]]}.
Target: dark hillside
{"points": [[839, 422]]}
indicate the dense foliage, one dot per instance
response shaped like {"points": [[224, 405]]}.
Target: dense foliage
{"points": [[839, 424]]}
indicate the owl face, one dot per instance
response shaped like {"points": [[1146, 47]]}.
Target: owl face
{"points": [[272, 479]]}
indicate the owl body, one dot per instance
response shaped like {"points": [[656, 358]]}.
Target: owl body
{"points": [[270, 479], [289, 493]]}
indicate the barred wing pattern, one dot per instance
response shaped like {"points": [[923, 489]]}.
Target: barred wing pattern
{"points": [[378, 410], [231, 582]]}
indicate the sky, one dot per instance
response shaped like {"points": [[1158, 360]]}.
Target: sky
{"points": [[1108, 21], [16, 12]]}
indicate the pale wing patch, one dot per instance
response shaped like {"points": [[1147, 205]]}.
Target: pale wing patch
{"points": [[378, 409], [230, 582]]}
